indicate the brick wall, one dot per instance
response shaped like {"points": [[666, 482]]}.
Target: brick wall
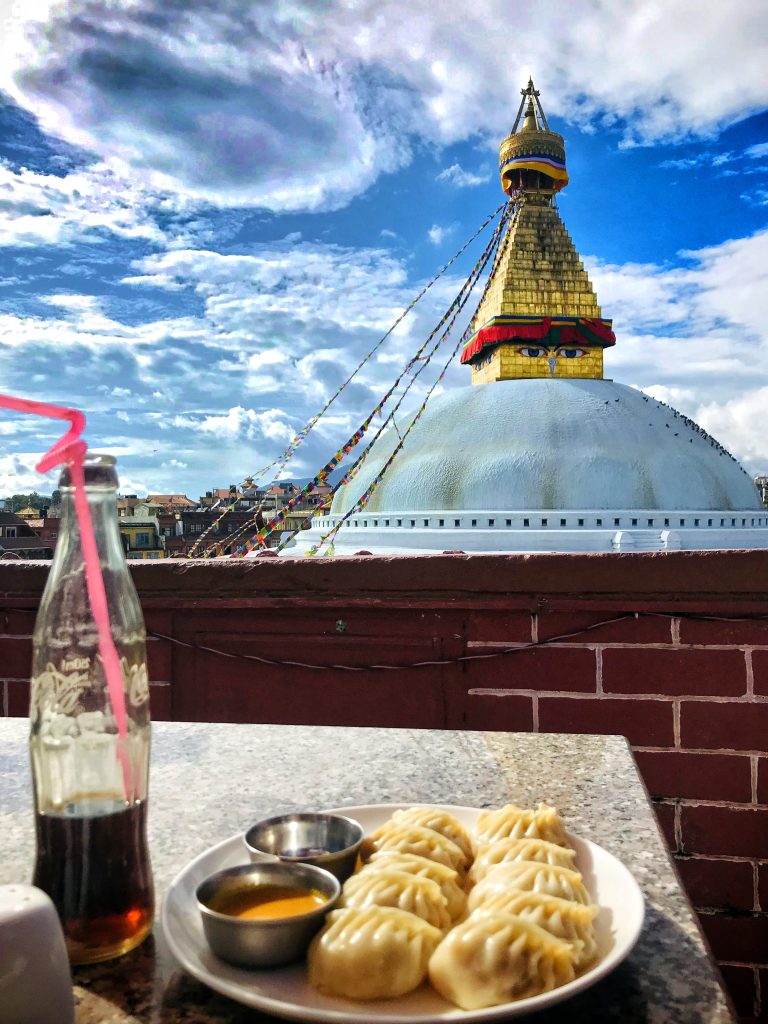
{"points": [[690, 693]]}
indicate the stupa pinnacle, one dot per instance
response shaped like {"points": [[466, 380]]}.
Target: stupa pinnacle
{"points": [[540, 316]]}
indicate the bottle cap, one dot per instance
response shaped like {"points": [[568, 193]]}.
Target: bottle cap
{"points": [[98, 469]]}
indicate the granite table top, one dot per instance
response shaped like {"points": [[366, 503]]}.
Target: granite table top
{"points": [[209, 782]]}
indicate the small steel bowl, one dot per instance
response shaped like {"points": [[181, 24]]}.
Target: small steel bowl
{"points": [[328, 841], [270, 942]]}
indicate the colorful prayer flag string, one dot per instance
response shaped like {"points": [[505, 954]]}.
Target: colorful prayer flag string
{"points": [[302, 434], [261, 535], [509, 217]]}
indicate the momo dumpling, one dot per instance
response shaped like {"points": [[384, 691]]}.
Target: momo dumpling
{"points": [[424, 842], [391, 888], [494, 958], [507, 850], [564, 919], [438, 821], [530, 877], [371, 953], [512, 822], [445, 877]]}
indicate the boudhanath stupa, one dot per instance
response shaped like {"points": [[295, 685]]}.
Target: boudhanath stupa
{"points": [[541, 452]]}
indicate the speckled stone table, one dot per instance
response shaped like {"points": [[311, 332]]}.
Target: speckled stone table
{"points": [[210, 781]]}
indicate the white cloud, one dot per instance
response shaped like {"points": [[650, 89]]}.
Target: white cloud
{"points": [[303, 284], [697, 337], [737, 424], [44, 209], [437, 234], [18, 475], [303, 105], [456, 175], [243, 424]]}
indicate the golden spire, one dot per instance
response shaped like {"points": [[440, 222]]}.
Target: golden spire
{"points": [[539, 317], [532, 160]]}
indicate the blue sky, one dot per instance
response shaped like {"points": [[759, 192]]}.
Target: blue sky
{"points": [[210, 211]]}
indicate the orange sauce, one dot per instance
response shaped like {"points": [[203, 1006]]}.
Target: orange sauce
{"points": [[269, 902]]}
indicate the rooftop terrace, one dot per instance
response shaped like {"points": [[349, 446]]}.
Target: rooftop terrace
{"points": [[669, 649]]}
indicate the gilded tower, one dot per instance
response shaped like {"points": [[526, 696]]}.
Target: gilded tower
{"points": [[540, 316]]}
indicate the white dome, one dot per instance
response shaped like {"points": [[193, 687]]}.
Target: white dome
{"points": [[555, 445]]}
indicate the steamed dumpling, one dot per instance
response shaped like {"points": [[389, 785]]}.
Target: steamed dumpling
{"points": [[439, 821], [507, 850], [494, 958], [564, 919], [371, 953], [445, 877], [392, 888], [512, 822], [530, 877], [424, 842]]}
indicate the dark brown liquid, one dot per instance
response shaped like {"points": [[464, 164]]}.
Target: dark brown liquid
{"points": [[95, 867]]}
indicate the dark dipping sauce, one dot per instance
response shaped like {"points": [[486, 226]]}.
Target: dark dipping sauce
{"points": [[268, 902]]}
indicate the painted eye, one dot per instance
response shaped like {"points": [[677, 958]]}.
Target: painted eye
{"points": [[532, 352], [571, 353]]}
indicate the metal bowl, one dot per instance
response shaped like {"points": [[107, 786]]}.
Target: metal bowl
{"points": [[328, 841], [268, 942]]}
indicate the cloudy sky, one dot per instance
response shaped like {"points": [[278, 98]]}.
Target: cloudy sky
{"points": [[210, 211]]}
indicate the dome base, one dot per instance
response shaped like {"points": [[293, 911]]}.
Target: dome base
{"points": [[494, 531]]}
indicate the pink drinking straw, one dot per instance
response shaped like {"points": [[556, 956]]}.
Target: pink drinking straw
{"points": [[71, 449]]}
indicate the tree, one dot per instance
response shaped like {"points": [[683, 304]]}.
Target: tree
{"points": [[33, 500]]}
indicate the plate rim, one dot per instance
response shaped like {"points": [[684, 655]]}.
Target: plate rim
{"points": [[301, 1012]]}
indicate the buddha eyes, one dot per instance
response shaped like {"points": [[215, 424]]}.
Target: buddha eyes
{"points": [[538, 351]]}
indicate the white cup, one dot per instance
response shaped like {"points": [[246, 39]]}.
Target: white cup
{"points": [[35, 981]]}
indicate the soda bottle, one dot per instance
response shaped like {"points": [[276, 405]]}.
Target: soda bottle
{"points": [[90, 785]]}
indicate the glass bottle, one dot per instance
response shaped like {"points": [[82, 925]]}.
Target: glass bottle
{"points": [[90, 785]]}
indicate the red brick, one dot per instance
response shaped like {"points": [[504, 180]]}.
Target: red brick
{"points": [[738, 633], [725, 884], [762, 888], [160, 709], [159, 659], [763, 987], [18, 621], [723, 725], [158, 620], [646, 723], [740, 983], [18, 698], [645, 629], [499, 625], [732, 831], [760, 670], [742, 938], [330, 623], [15, 657], [505, 713], [650, 670], [696, 776], [762, 780], [542, 668], [220, 689], [665, 816]]}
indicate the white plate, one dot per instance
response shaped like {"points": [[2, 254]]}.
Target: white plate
{"points": [[286, 992]]}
